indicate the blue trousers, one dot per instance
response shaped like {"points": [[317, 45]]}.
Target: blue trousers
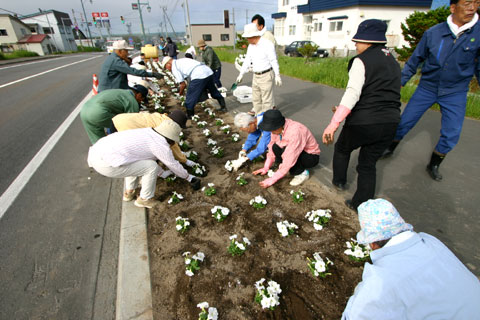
{"points": [[195, 89], [452, 107], [216, 75]]}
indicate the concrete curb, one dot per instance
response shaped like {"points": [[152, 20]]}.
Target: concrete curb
{"points": [[134, 291]]}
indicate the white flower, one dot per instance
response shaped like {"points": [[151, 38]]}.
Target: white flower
{"points": [[186, 253], [211, 142], [275, 287], [246, 241], [212, 313], [188, 261], [186, 223], [259, 284], [317, 226], [179, 227], [199, 256], [240, 246], [178, 218], [170, 201], [270, 173], [202, 305], [233, 237], [210, 185], [228, 165], [189, 273], [320, 266]]}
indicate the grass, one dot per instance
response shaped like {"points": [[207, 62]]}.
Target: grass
{"points": [[333, 72], [18, 54]]}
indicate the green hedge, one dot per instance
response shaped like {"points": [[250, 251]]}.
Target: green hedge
{"points": [[20, 54]]}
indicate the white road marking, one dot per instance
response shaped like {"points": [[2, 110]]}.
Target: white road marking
{"points": [[44, 72], [14, 189]]}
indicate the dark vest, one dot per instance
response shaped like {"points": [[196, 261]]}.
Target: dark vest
{"points": [[380, 98]]}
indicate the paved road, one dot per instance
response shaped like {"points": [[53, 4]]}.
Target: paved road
{"points": [[448, 210], [60, 236]]}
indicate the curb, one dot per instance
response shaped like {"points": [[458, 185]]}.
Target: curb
{"points": [[134, 291], [20, 60]]}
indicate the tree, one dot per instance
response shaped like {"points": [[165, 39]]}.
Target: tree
{"points": [[416, 24], [307, 51], [242, 43]]}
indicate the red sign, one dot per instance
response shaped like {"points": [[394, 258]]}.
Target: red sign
{"points": [[134, 6], [96, 14], [104, 14]]}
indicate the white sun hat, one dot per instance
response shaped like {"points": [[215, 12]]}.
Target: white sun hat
{"points": [[169, 129], [164, 61], [250, 30], [121, 44]]}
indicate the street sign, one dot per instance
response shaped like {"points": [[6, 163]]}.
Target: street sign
{"points": [[96, 14], [134, 6], [104, 14], [89, 24], [130, 41]]}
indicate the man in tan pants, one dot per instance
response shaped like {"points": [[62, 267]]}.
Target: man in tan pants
{"points": [[261, 55]]}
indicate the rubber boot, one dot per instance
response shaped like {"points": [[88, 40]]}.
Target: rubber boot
{"points": [[223, 107], [432, 167], [190, 113], [389, 151]]}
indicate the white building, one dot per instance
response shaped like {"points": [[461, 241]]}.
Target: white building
{"points": [[331, 24], [56, 24], [214, 34]]}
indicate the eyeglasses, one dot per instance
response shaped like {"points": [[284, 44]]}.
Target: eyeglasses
{"points": [[469, 4]]}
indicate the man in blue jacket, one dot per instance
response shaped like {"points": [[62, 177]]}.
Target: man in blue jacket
{"points": [[450, 53]]}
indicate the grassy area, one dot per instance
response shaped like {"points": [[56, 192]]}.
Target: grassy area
{"points": [[333, 72], [17, 54]]}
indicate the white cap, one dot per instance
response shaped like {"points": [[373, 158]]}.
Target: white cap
{"points": [[250, 30], [121, 44], [169, 129], [165, 60]]}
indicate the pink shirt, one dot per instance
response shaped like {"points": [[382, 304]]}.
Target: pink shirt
{"points": [[295, 139]]}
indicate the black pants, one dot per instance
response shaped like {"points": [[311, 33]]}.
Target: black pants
{"points": [[304, 161], [199, 86], [372, 140]]}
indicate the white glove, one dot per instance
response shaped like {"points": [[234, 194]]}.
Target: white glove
{"points": [[191, 163], [239, 78], [190, 177], [278, 80], [165, 174], [242, 153], [236, 164]]}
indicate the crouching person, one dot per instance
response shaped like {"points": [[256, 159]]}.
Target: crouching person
{"points": [[256, 137], [412, 275], [291, 145], [133, 153]]}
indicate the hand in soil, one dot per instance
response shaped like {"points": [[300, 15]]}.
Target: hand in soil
{"points": [[260, 171], [266, 183]]}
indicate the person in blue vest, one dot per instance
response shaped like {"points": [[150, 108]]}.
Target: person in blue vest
{"points": [[370, 108], [450, 53]]}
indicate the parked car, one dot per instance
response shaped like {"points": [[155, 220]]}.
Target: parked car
{"points": [[292, 49]]}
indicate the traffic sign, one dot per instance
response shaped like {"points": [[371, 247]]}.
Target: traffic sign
{"points": [[134, 6], [104, 14], [96, 14], [130, 41]]}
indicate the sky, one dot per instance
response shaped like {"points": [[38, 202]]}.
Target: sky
{"points": [[201, 11]]}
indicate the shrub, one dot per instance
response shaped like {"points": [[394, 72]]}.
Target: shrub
{"points": [[307, 51], [20, 54]]}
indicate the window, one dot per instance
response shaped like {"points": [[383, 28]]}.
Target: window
{"points": [[292, 30], [33, 30], [336, 26], [286, 2], [317, 27], [3, 32], [62, 31], [224, 37], [279, 23], [69, 30], [207, 37], [48, 30]]}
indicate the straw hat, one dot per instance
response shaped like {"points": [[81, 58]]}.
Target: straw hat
{"points": [[169, 129], [201, 43]]}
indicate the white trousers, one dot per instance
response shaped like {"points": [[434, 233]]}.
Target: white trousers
{"points": [[262, 92]]}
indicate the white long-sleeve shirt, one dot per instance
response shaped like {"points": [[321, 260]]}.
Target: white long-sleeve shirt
{"points": [[262, 56], [130, 146], [356, 80], [184, 68]]}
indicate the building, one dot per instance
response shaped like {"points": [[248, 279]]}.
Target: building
{"points": [[16, 35], [332, 24], [214, 34], [54, 23]]}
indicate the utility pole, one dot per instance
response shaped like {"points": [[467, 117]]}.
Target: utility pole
{"points": [[171, 26], [189, 25], [141, 18], [50, 27], [165, 22], [246, 16], [129, 28], [234, 32], [86, 21]]}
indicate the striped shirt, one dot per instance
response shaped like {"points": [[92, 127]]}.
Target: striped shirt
{"points": [[122, 148]]}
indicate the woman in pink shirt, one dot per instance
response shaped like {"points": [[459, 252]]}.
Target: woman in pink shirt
{"points": [[291, 145]]}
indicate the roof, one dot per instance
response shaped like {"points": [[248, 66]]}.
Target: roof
{"points": [[58, 16], [279, 15], [321, 5], [14, 18], [34, 38]]}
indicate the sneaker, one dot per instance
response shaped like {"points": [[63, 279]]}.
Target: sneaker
{"points": [[149, 203], [128, 196], [300, 178]]}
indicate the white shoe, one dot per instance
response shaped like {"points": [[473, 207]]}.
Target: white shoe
{"points": [[300, 178]]}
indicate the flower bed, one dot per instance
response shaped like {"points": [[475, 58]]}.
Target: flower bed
{"points": [[227, 281]]}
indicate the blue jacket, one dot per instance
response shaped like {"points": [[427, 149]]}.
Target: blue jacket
{"points": [[449, 63], [253, 139], [114, 73]]}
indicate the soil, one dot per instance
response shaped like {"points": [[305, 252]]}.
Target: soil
{"points": [[227, 282]]}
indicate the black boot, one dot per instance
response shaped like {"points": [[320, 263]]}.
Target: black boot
{"points": [[223, 107], [389, 151], [190, 113], [432, 167]]}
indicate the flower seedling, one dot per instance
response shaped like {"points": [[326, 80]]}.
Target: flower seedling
{"points": [[191, 155], [199, 170], [228, 166], [241, 180], [175, 198], [319, 217], [208, 313], [225, 129], [182, 224], [258, 202], [171, 179], [318, 267], [184, 145], [195, 118], [210, 191], [270, 173], [203, 105], [267, 297], [211, 114], [159, 107], [220, 213], [206, 132], [211, 142], [297, 196], [217, 152], [357, 252], [237, 248], [286, 228], [201, 124], [192, 264], [219, 122], [235, 137]]}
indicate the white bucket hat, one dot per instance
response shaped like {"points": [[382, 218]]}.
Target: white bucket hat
{"points": [[164, 61], [121, 44], [169, 129], [250, 30]]}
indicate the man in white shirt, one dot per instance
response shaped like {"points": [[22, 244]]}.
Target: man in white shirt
{"points": [[200, 78], [260, 22], [133, 153], [261, 54]]}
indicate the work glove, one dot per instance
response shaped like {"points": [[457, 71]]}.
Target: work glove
{"points": [[278, 80], [165, 174], [242, 153], [239, 78], [157, 75], [191, 163], [195, 183], [236, 164]]}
